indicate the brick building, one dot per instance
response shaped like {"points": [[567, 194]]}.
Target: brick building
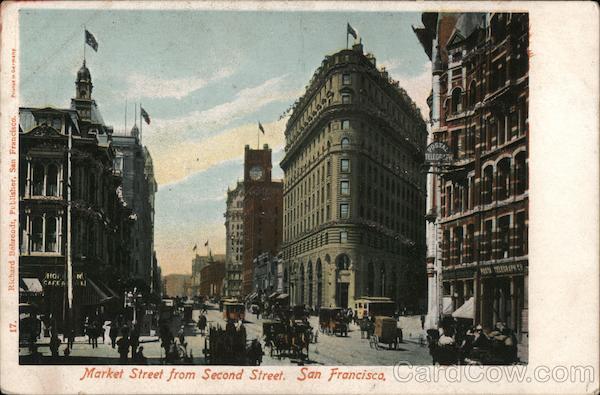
{"points": [[354, 196], [479, 202], [263, 201], [234, 239]]}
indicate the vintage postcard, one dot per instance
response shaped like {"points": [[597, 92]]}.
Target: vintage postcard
{"points": [[284, 197]]}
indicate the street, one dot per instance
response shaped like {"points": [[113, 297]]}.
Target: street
{"points": [[329, 350]]}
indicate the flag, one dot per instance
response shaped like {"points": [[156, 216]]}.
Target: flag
{"points": [[145, 115], [260, 126], [206, 244], [91, 40], [351, 31]]}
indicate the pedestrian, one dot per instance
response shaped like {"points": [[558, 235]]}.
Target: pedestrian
{"points": [[71, 338], [113, 333], [93, 334], [86, 329], [181, 335], [54, 344], [139, 358], [422, 321], [134, 339], [258, 312], [123, 348]]}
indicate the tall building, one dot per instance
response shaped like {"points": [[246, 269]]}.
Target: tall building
{"points": [[212, 277], [234, 238], [479, 206], [134, 163], [55, 146], [262, 211], [354, 196]]}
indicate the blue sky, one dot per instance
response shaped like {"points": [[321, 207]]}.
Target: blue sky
{"points": [[205, 78]]}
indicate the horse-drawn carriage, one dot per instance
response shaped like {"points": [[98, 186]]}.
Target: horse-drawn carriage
{"points": [[229, 347], [332, 321], [386, 332], [287, 338]]}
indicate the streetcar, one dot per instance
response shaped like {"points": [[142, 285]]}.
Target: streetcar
{"points": [[234, 311], [371, 306]]}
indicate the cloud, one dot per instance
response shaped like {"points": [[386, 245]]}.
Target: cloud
{"points": [[417, 86], [392, 64], [145, 86], [175, 162]]}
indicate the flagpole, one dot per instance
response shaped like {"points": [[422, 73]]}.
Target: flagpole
{"points": [[125, 132], [84, 42], [141, 123]]}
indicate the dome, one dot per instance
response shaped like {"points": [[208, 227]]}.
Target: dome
{"points": [[84, 74]]}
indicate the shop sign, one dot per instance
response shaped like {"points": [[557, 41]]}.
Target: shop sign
{"points": [[504, 268], [438, 152], [54, 279]]}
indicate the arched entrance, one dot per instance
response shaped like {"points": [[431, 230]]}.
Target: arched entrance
{"points": [[301, 284], [310, 284], [319, 283], [342, 280]]}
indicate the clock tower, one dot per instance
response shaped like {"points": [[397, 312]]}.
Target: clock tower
{"points": [[263, 203]]}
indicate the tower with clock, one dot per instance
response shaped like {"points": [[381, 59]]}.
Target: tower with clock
{"points": [[257, 164]]}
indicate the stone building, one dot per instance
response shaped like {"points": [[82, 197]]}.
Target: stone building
{"points": [[234, 238], [97, 242], [262, 211], [198, 263], [265, 275], [354, 196], [211, 278], [479, 105], [134, 163]]}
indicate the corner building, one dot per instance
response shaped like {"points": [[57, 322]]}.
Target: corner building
{"points": [[479, 102], [354, 196]]}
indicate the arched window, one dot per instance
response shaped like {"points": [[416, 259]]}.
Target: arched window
{"points": [[51, 235], [370, 279], [37, 234], [38, 179], [503, 179], [472, 94], [456, 100], [345, 142], [488, 177], [520, 173], [52, 180], [310, 284], [342, 262]]}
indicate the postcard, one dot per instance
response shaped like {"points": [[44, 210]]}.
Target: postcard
{"points": [[284, 197]]}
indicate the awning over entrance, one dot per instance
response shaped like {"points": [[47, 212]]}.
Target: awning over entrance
{"points": [[252, 296], [446, 305], [467, 310], [283, 296], [273, 295], [31, 285], [97, 293]]}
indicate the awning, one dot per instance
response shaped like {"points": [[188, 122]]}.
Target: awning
{"points": [[283, 296], [31, 285], [466, 310], [446, 305], [252, 296], [97, 293], [273, 295]]}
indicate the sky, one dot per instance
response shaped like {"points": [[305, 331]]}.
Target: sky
{"points": [[205, 78]]}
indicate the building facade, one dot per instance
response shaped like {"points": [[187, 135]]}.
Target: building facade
{"points": [[479, 105], [86, 226], [265, 275], [234, 238], [212, 276], [134, 163], [262, 211], [354, 196]]}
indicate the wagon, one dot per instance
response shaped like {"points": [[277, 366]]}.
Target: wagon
{"points": [[386, 332], [331, 321]]}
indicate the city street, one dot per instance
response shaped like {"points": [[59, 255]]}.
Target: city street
{"points": [[329, 350]]}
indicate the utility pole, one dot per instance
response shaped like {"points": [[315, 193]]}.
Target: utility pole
{"points": [[69, 234]]}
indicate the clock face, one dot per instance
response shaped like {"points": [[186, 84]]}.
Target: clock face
{"points": [[256, 173]]}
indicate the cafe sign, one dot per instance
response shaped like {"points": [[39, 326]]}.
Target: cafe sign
{"points": [[504, 268], [438, 152], [54, 279]]}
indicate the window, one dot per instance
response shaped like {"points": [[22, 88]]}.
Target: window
{"points": [[37, 234], [346, 98], [520, 173], [346, 79], [52, 180], [38, 179], [503, 179], [51, 235], [345, 143], [343, 236], [345, 124], [345, 165], [488, 176], [504, 236], [472, 94], [456, 101], [344, 211], [345, 187]]}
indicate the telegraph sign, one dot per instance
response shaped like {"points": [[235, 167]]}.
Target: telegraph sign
{"points": [[438, 152]]}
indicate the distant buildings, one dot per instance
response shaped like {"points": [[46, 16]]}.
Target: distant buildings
{"points": [[211, 278], [478, 257], [198, 264], [177, 285], [234, 239], [262, 226], [354, 193]]}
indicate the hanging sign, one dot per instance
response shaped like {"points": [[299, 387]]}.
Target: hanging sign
{"points": [[438, 152]]}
